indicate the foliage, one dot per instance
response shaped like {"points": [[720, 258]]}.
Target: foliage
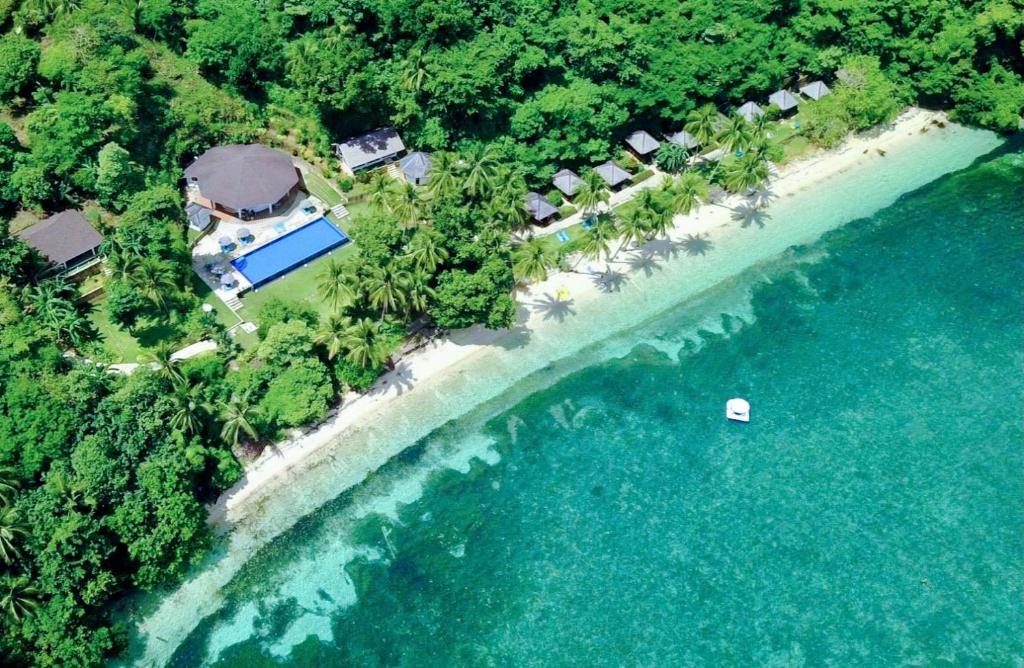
{"points": [[18, 58]]}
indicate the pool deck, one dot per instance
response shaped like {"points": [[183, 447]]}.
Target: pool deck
{"points": [[207, 249]]}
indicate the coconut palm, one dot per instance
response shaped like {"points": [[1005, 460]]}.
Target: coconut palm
{"points": [[334, 283], [702, 123], [51, 302], [671, 157], [443, 174], [239, 416], [419, 292], [19, 598], [425, 249], [689, 192], [481, 168], [189, 410], [364, 344], [162, 355], [736, 134], [387, 288], [12, 529], [593, 192], [407, 205], [332, 334], [380, 192], [634, 227], [746, 173], [155, 280], [532, 259], [596, 241], [8, 484], [414, 71]]}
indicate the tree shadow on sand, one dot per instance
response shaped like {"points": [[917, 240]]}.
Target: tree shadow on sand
{"points": [[763, 197], [552, 308], [697, 244], [610, 281], [401, 377], [643, 261], [663, 247], [749, 214]]}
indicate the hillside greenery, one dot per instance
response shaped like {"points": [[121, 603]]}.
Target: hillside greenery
{"points": [[104, 477]]}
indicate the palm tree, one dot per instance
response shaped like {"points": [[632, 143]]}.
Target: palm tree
{"points": [[746, 173], [238, 415], [387, 288], [531, 260], [162, 356], [481, 166], [188, 413], [11, 530], [597, 240], [50, 302], [671, 157], [736, 135], [365, 348], [443, 174], [634, 228], [155, 280], [689, 192], [8, 484], [332, 334], [701, 123], [334, 283], [419, 292], [18, 598], [414, 71], [592, 193], [380, 195], [425, 249], [407, 205]]}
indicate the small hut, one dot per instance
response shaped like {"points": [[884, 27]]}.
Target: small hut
{"points": [[750, 111], [540, 209], [416, 167], [684, 139], [815, 90], [784, 100], [612, 174], [567, 181], [642, 144]]}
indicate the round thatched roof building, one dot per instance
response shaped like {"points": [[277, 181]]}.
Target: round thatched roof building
{"points": [[243, 177]]}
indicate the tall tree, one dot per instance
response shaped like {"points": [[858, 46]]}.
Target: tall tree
{"points": [[532, 259]]}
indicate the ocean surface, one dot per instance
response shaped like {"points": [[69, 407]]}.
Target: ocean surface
{"points": [[602, 512]]}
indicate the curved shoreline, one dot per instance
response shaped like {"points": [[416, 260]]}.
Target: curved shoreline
{"points": [[452, 376]]}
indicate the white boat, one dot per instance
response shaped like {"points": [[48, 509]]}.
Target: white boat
{"points": [[737, 410]]}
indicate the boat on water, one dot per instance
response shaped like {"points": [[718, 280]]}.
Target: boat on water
{"points": [[737, 410]]}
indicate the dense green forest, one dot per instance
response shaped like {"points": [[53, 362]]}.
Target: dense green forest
{"points": [[103, 477]]}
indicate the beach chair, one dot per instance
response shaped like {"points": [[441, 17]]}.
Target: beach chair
{"points": [[562, 236]]}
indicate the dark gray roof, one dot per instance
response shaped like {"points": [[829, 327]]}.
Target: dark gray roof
{"points": [[198, 215], [370, 147], [783, 99], [415, 165], [815, 90], [539, 207], [642, 142], [567, 181], [243, 176], [62, 237], [683, 138], [612, 174], [750, 111]]}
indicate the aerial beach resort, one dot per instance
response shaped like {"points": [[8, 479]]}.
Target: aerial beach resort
{"points": [[461, 333]]}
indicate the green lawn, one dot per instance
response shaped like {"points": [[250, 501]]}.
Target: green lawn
{"points": [[318, 186]]}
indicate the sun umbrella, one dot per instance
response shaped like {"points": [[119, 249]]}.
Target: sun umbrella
{"points": [[244, 233]]}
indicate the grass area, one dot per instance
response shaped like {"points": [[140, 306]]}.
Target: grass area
{"points": [[122, 346], [319, 187]]}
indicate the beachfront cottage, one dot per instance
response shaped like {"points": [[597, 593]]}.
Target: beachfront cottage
{"points": [[373, 149], [613, 175], [750, 111], [684, 139], [416, 168], [642, 145], [540, 209], [242, 180], [784, 100], [67, 241], [567, 181], [815, 90]]}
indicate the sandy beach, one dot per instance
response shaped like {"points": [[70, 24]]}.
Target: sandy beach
{"points": [[285, 461]]}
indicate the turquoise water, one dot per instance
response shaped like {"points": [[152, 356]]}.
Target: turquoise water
{"points": [[870, 514]]}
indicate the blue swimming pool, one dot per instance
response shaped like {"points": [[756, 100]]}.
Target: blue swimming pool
{"points": [[285, 253]]}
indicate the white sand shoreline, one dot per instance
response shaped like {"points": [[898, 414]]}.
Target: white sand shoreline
{"points": [[285, 460]]}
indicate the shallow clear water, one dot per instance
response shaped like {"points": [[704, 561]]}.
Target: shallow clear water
{"points": [[603, 511]]}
